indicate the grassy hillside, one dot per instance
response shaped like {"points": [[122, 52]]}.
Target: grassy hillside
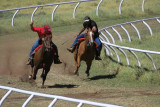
{"points": [[108, 13]]}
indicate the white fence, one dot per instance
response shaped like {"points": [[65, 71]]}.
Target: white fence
{"points": [[58, 4], [109, 46], [120, 6], [38, 6], [127, 23], [54, 97]]}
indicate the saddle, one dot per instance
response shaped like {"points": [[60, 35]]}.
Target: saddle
{"points": [[82, 39], [41, 46]]}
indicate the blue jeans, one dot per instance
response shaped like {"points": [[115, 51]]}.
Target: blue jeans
{"points": [[36, 44], [76, 40], [97, 40]]}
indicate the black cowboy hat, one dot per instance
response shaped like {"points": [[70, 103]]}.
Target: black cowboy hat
{"points": [[87, 18]]}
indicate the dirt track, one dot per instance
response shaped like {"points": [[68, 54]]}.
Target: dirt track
{"points": [[14, 52]]}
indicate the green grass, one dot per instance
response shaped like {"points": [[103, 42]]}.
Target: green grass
{"points": [[102, 73], [131, 10]]}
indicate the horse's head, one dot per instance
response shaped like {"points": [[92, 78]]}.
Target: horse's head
{"points": [[47, 43], [90, 36]]}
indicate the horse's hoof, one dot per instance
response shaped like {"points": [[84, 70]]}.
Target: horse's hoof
{"points": [[42, 76], [77, 74], [43, 87], [30, 77], [87, 75], [34, 78]]}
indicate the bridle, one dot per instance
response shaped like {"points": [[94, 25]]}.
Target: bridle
{"points": [[90, 43], [47, 48]]}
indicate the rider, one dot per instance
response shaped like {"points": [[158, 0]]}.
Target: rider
{"points": [[88, 23], [42, 31]]}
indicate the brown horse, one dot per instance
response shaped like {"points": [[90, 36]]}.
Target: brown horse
{"points": [[43, 58], [85, 51]]}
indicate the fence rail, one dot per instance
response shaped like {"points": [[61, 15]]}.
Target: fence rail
{"points": [[54, 97], [120, 6], [126, 31], [109, 46], [36, 7]]}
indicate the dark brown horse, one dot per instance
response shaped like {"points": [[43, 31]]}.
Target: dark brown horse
{"points": [[43, 58], [85, 51]]}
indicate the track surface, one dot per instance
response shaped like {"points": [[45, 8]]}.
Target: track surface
{"points": [[14, 52]]}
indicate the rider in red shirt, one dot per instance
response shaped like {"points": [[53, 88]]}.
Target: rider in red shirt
{"points": [[45, 30], [41, 31]]}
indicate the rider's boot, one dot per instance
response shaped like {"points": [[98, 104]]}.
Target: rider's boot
{"points": [[30, 58], [29, 61], [71, 49], [56, 59], [97, 57]]}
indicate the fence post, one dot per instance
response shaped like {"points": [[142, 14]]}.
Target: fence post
{"points": [[75, 9], [120, 5], [143, 5], [97, 10], [54, 12]]}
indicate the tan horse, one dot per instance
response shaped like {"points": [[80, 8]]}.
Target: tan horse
{"points": [[85, 51], [43, 58]]}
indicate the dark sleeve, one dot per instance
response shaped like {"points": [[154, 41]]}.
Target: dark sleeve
{"points": [[93, 23], [84, 25]]}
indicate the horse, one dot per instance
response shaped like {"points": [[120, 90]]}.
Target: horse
{"points": [[85, 51], [43, 58]]}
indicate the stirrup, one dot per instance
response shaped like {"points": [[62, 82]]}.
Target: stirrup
{"points": [[29, 62], [70, 50], [57, 62]]}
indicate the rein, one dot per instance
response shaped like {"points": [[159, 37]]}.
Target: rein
{"points": [[45, 45]]}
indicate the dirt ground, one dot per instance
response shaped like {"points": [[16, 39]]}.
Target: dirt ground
{"points": [[14, 52], [13, 49]]}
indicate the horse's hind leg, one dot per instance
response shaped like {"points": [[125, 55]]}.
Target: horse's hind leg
{"points": [[88, 68]]}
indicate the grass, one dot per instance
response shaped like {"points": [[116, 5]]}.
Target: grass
{"points": [[131, 10], [130, 79]]}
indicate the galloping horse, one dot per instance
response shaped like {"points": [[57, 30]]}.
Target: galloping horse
{"points": [[85, 51], [43, 58]]}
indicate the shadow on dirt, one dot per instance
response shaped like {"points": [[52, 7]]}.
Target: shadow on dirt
{"points": [[63, 86], [102, 77], [109, 76]]}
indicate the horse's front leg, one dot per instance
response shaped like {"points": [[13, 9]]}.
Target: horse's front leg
{"points": [[31, 73], [35, 70], [42, 73], [77, 65], [88, 67], [44, 76]]}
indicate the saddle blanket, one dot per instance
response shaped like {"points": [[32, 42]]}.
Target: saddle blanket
{"points": [[82, 39], [41, 46]]}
